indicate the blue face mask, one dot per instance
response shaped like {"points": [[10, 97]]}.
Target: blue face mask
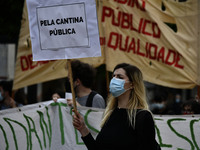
{"points": [[178, 100], [1, 97], [117, 87]]}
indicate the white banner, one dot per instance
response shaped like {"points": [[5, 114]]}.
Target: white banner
{"points": [[63, 29], [48, 126]]}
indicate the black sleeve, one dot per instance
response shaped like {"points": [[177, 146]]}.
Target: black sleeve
{"points": [[89, 142], [145, 131]]}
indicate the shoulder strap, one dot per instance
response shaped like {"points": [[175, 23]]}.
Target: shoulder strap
{"points": [[90, 98]]}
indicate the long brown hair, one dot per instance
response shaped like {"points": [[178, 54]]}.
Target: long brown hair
{"points": [[137, 99]]}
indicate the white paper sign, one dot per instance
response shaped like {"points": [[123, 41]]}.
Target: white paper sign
{"points": [[63, 29], [68, 95]]}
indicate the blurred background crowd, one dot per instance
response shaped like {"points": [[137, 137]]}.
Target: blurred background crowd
{"points": [[161, 100]]}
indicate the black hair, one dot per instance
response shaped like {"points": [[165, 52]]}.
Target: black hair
{"points": [[195, 106], [84, 72], [61, 93], [7, 86]]}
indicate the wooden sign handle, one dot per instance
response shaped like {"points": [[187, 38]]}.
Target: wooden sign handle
{"points": [[71, 84]]}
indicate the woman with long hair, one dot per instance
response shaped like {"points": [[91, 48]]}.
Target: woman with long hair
{"points": [[127, 122]]}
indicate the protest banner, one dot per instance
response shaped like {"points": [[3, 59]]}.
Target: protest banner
{"points": [[48, 126], [160, 37]]}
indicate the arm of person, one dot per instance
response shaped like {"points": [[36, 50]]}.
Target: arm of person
{"points": [[145, 130], [87, 138], [70, 102]]}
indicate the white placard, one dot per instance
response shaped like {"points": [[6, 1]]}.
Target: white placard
{"points": [[63, 29], [59, 28], [68, 95]]}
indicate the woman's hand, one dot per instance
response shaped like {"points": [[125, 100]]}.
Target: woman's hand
{"points": [[79, 124]]}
